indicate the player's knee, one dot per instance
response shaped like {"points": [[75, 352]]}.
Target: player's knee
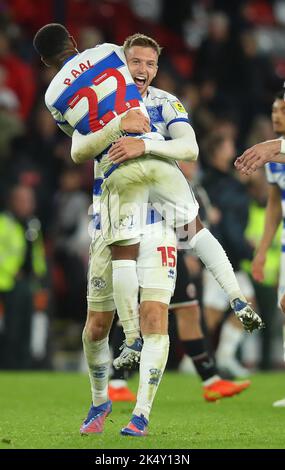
{"points": [[153, 317], [190, 315], [195, 317], [96, 328]]}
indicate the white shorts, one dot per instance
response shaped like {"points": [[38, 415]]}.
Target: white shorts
{"points": [[128, 189], [156, 268], [215, 297]]}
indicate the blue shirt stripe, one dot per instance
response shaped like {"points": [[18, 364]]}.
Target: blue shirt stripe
{"points": [[97, 186], [177, 120], [86, 80]]}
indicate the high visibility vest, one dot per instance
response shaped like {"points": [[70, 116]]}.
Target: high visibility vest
{"points": [[253, 232], [13, 245]]}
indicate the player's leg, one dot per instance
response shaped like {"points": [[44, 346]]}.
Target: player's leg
{"points": [[96, 350], [215, 304], [177, 203], [123, 205], [281, 302], [125, 292], [95, 335], [118, 386], [215, 259], [95, 339], [186, 307], [231, 337], [154, 329], [157, 273], [193, 340], [232, 334]]}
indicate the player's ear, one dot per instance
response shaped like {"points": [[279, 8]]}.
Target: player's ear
{"points": [[74, 43], [45, 62]]}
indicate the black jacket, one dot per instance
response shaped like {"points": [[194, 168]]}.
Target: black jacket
{"points": [[229, 195]]}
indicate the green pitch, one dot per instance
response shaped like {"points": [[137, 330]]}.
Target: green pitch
{"points": [[45, 410]]}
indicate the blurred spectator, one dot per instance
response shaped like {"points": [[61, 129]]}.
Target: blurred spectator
{"points": [[71, 243], [38, 159], [89, 37], [260, 131], [229, 195], [147, 9], [255, 80], [19, 76], [215, 57], [166, 81], [22, 273], [266, 291], [11, 125], [31, 13]]}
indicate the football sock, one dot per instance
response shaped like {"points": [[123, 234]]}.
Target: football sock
{"points": [[98, 360], [214, 257], [125, 289], [203, 363], [116, 341], [152, 364], [117, 383], [230, 339]]}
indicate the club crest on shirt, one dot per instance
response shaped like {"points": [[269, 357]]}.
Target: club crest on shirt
{"points": [[125, 222], [98, 283], [155, 375]]}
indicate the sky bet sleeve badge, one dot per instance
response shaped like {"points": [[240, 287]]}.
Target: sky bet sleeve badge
{"points": [[178, 107]]}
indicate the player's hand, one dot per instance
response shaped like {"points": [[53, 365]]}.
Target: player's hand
{"points": [[282, 306], [256, 156], [257, 267], [135, 122], [126, 148]]}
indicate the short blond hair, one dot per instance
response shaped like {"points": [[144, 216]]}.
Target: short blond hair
{"points": [[142, 40]]}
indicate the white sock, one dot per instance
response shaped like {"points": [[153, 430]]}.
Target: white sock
{"points": [[125, 290], [118, 383], [214, 257], [152, 364], [98, 359], [211, 380], [230, 340]]}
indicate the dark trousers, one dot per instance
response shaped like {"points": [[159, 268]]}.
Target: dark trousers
{"points": [[266, 297], [16, 336]]}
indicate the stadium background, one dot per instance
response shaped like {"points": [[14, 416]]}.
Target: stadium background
{"points": [[224, 60]]}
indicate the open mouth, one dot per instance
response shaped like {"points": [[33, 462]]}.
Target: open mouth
{"points": [[140, 81]]}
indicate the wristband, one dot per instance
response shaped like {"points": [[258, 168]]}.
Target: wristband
{"points": [[282, 149]]}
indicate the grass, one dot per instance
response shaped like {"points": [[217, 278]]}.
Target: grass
{"points": [[45, 410]]}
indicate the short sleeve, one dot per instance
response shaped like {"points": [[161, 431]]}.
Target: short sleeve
{"points": [[174, 111]]}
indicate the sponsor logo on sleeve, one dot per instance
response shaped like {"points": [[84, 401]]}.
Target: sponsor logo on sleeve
{"points": [[178, 107]]}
